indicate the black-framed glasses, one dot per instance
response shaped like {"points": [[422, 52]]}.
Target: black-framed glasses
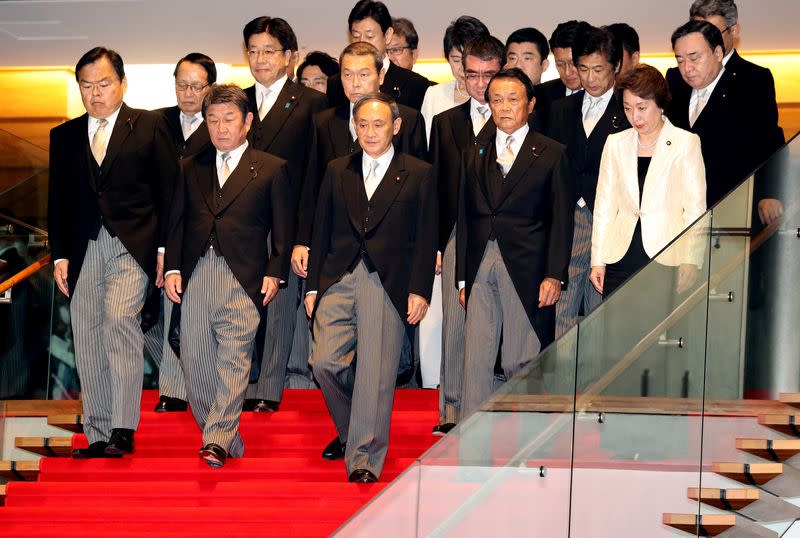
{"points": [[397, 51], [268, 52], [195, 87]]}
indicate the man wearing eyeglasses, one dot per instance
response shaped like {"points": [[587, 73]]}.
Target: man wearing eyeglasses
{"points": [[194, 73], [402, 48], [283, 126]]}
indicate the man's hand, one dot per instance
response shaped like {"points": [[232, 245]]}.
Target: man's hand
{"points": [[549, 292], [270, 288], [160, 270], [687, 274], [309, 302], [769, 210], [60, 274], [438, 263], [597, 277], [173, 287], [300, 261], [417, 308], [462, 297]]}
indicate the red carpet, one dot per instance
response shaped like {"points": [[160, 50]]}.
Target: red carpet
{"points": [[282, 487]]}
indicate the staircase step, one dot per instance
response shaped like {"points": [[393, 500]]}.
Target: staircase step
{"points": [[776, 478], [725, 499], [786, 424], [71, 422], [790, 398], [55, 447], [723, 525], [2, 495], [770, 449], [19, 470]]}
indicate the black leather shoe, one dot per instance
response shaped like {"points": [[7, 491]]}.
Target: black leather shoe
{"points": [[95, 450], [249, 404], [362, 476], [266, 406], [121, 442], [443, 429], [214, 455], [167, 404], [334, 450]]}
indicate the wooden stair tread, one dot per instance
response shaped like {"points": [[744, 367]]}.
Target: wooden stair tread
{"points": [[2, 495], [761, 472], [714, 524], [19, 470], [56, 447], [72, 422], [790, 398], [783, 448], [737, 498]]}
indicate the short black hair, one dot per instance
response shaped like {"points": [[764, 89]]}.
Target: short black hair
{"points": [[530, 35], [274, 26], [203, 61], [381, 97], [566, 33], [362, 48], [227, 93], [600, 41], [96, 54], [461, 31], [367, 9], [515, 73], [404, 27], [326, 63], [485, 47], [710, 32], [626, 35]]}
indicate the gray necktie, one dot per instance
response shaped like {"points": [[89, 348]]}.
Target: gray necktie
{"points": [[484, 116], [592, 115], [698, 106], [186, 125], [506, 159], [100, 141], [262, 108], [373, 166], [225, 170]]}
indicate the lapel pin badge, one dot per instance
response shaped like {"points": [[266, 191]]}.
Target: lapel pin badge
{"points": [[480, 151], [669, 142], [533, 150], [397, 179], [287, 105]]}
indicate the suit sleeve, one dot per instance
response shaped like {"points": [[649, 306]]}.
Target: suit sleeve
{"points": [[282, 230], [559, 244], [321, 237], [58, 229], [424, 257], [309, 192], [175, 230], [163, 174], [417, 144], [605, 205]]}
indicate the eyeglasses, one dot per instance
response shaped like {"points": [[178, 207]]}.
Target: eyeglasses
{"points": [[196, 87], [397, 51], [727, 28], [474, 75], [268, 53]]}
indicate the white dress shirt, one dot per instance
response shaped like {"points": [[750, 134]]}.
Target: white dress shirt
{"points": [[274, 90], [371, 184], [707, 95], [235, 155], [597, 110], [195, 124], [570, 92], [93, 125], [476, 117], [727, 57]]}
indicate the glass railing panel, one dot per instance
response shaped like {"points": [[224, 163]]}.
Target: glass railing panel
{"points": [[638, 424], [19, 160]]}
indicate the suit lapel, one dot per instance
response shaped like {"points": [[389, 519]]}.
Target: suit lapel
{"points": [[528, 153], [663, 156], [388, 189], [276, 118], [245, 172], [486, 161], [466, 133], [207, 181], [718, 100], [609, 122], [122, 128], [355, 197], [339, 131], [392, 83], [172, 117]]}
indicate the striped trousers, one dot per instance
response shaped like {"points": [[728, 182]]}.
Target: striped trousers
{"points": [[355, 318], [494, 308], [218, 328], [580, 295], [170, 375], [106, 311], [453, 317]]}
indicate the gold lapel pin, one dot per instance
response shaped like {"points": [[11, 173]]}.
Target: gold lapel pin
{"points": [[397, 179]]}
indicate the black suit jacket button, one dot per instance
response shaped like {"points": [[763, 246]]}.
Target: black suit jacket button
{"points": [[218, 217], [494, 214]]}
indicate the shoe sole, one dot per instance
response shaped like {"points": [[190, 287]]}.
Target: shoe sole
{"points": [[117, 452], [211, 459]]}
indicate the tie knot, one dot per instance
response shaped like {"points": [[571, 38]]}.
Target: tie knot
{"points": [[102, 123], [482, 110], [373, 166], [189, 119], [225, 157], [509, 141]]}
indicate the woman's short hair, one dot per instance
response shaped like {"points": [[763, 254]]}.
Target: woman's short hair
{"points": [[645, 82]]}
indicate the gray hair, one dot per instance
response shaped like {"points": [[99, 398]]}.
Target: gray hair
{"points": [[381, 98], [707, 8], [227, 93]]}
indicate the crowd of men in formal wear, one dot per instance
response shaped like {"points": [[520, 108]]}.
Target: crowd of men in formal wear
{"points": [[296, 233]]}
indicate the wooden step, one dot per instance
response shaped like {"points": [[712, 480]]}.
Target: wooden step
{"points": [[790, 398], [750, 502], [776, 478], [723, 525], [778, 450], [786, 424], [725, 499], [19, 470], [53, 447], [73, 422], [2, 495]]}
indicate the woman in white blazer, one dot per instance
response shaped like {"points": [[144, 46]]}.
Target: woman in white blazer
{"points": [[651, 187]]}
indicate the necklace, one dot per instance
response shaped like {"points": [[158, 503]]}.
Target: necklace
{"points": [[645, 146], [459, 91]]}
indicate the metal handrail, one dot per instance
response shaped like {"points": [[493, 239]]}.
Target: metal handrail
{"points": [[24, 224], [26, 273]]}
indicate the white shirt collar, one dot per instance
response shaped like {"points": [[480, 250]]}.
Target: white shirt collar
{"points": [[728, 56], [603, 99], [274, 88], [386, 63], [518, 135], [383, 162], [94, 123], [708, 89], [570, 92], [473, 107], [198, 115], [235, 157]]}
